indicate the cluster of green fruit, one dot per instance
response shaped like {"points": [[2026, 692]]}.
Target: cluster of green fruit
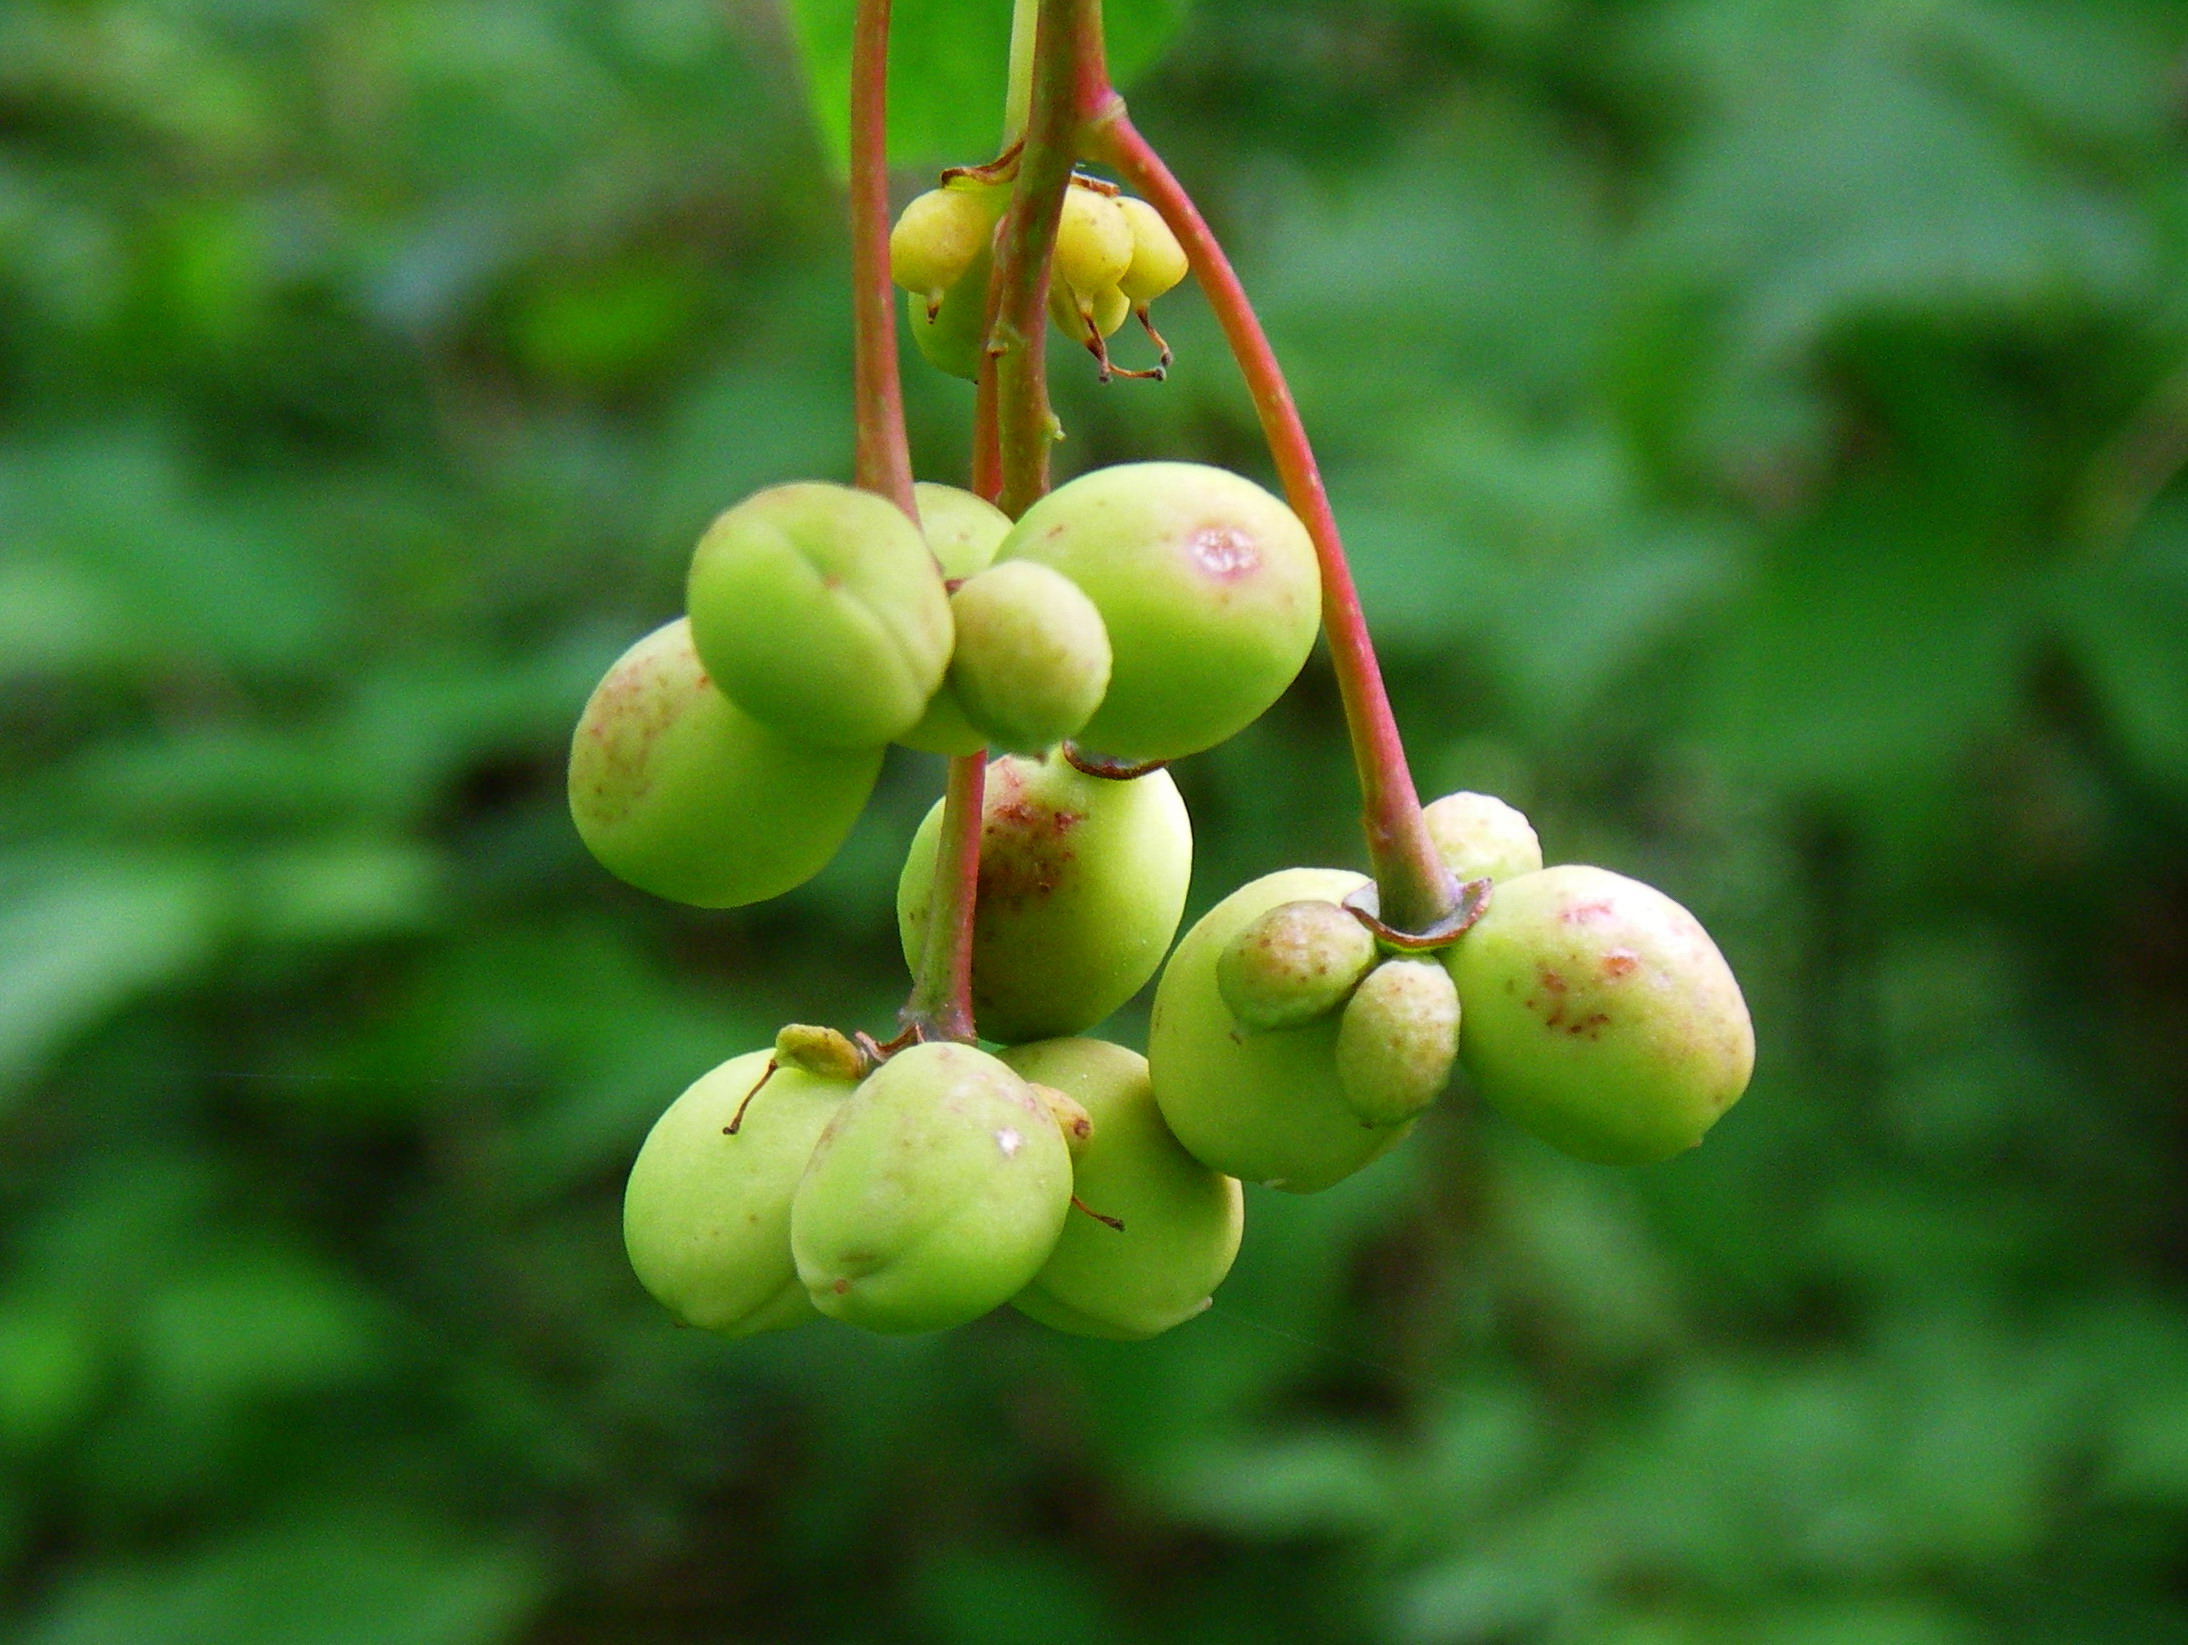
{"points": [[1114, 256]]}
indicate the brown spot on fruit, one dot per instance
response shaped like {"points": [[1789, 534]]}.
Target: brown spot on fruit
{"points": [[1585, 913], [841, 1286], [1620, 962]]}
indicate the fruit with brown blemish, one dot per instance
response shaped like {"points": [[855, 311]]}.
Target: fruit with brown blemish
{"points": [[1207, 585], [678, 791], [1479, 837], [1268, 1107], [935, 1193], [1181, 1220], [1297, 962], [1600, 1015], [1397, 1040], [1082, 883], [1032, 657], [819, 611], [706, 1215]]}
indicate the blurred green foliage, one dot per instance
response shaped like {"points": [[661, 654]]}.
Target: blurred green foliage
{"points": [[1755, 424]]}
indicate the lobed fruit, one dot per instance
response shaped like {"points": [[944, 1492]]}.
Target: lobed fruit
{"points": [[819, 611], [1208, 587], [939, 235], [1032, 657], [1158, 261], [1397, 1040], [1480, 837], [1093, 242], [1268, 1107], [1079, 318], [1182, 1221], [706, 1216], [1600, 1016], [954, 336], [1297, 962], [962, 528], [678, 791], [934, 1194], [1082, 883]]}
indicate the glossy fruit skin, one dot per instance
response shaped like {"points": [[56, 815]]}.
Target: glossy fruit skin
{"points": [[1480, 837], [935, 1193], [678, 791], [706, 1217], [962, 527], [1600, 1016], [1299, 961], [1268, 1107], [1182, 1221], [1093, 242], [938, 236], [1082, 884], [1208, 587], [1032, 657], [1158, 261], [1397, 1040], [954, 337], [819, 611]]}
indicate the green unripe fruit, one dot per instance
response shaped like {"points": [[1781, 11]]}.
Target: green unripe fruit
{"points": [[1158, 261], [1093, 242], [1267, 1107], [678, 791], [954, 337], [1297, 962], [1181, 1220], [1479, 837], [1102, 311], [1082, 883], [706, 1217], [962, 527], [1032, 657], [938, 237], [1207, 585], [819, 611], [1397, 1040], [943, 729], [934, 1195], [1600, 1016]]}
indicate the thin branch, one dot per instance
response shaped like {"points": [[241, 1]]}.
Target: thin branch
{"points": [[883, 461], [1417, 892], [941, 1002]]}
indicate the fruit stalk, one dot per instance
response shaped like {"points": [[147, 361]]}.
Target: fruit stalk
{"points": [[1414, 888], [941, 1002], [1069, 68], [883, 459]]}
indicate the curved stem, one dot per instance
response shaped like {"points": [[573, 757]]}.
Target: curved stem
{"points": [[1416, 890], [883, 461]]}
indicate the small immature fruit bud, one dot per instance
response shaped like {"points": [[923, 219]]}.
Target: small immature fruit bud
{"points": [[1480, 837], [825, 1053], [1103, 312], [819, 611], [1032, 658], [954, 337], [1600, 1016], [1071, 1117], [706, 1218], [1267, 1107], [1082, 882], [934, 1195], [1295, 963], [1158, 261], [1397, 1040], [1181, 1220], [962, 527], [680, 792], [1209, 589], [938, 237], [1093, 241]]}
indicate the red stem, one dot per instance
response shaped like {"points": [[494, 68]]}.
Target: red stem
{"points": [[1416, 890], [883, 462], [941, 1002]]}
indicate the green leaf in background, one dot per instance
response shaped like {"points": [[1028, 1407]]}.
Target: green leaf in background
{"points": [[949, 61]]}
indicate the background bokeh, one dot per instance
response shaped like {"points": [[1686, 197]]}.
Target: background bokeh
{"points": [[1755, 425]]}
